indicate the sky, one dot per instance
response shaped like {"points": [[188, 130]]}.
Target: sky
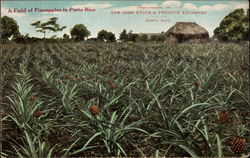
{"points": [[213, 11]]}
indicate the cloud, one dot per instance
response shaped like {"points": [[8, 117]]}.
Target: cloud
{"points": [[130, 8], [164, 4], [92, 5], [134, 8], [215, 7], [171, 4], [4, 11], [243, 5], [189, 6], [150, 5]]}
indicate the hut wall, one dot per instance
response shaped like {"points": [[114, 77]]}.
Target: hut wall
{"points": [[172, 39]]}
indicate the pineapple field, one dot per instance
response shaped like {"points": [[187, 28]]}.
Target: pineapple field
{"points": [[125, 99]]}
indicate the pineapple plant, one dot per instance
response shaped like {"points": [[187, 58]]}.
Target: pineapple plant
{"points": [[196, 84], [238, 144], [38, 113], [94, 110], [223, 117], [112, 86]]}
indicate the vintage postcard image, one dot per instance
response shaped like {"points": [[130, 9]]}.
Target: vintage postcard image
{"points": [[135, 78]]}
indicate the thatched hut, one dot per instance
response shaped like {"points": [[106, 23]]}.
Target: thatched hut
{"points": [[186, 32]]}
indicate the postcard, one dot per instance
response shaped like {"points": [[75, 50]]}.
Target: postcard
{"points": [[135, 78]]}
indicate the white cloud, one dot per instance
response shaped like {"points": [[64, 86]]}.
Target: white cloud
{"points": [[134, 8], [189, 6], [243, 5], [171, 4], [130, 8], [149, 5], [215, 7], [92, 5], [221, 6], [5, 11], [206, 7]]}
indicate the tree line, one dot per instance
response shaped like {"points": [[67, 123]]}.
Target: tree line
{"points": [[234, 27], [78, 33]]}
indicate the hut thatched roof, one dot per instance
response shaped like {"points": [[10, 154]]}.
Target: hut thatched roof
{"points": [[186, 32], [187, 28]]}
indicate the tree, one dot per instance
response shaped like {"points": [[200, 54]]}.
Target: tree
{"points": [[79, 32], [158, 37], [54, 37], [22, 38], [50, 25], [245, 21], [9, 28], [65, 36], [104, 35], [132, 36], [111, 37], [142, 38], [234, 27], [123, 36]]}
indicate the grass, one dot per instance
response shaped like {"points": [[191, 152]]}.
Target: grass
{"points": [[153, 99]]}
